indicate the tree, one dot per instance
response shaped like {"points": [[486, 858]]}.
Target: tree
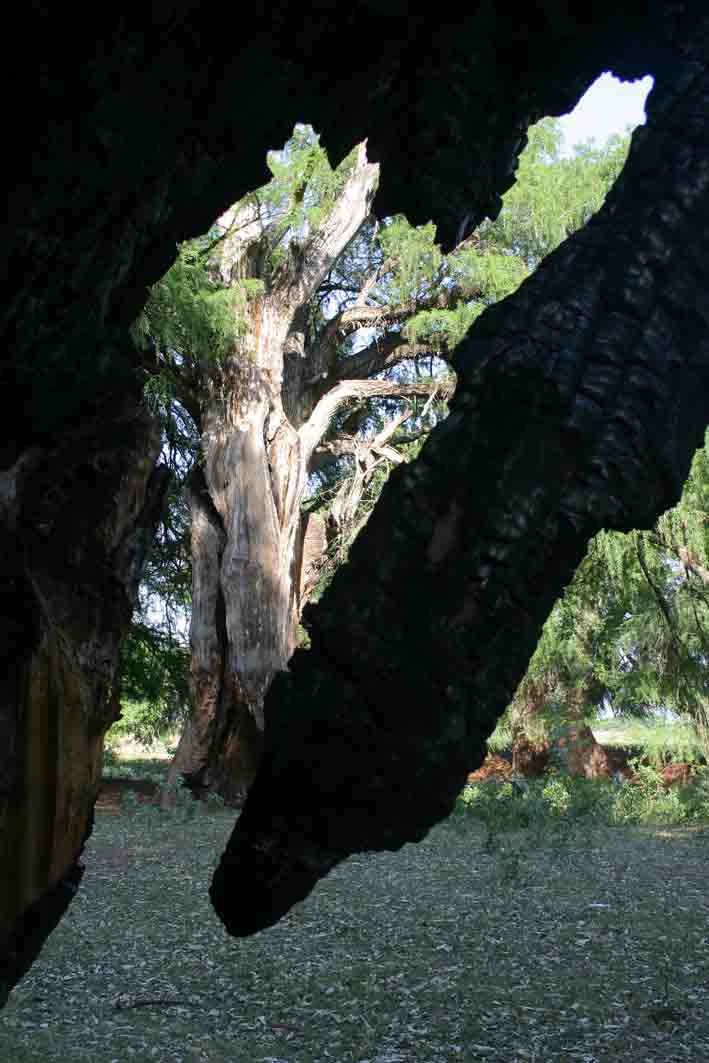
{"points": [[332, 313], [285, 391], [631, 630]]}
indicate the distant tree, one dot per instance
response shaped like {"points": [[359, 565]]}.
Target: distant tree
{"points": [[326, 313], [631, 632], [309, 345], [554, 195]]}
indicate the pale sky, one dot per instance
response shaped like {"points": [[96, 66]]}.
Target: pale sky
{"points": [[608, 107]]}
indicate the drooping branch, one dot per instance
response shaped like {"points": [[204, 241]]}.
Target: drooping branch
{"points": [[380, 355], [351, 320], [656, 591], [349, 446], [367, 454]]}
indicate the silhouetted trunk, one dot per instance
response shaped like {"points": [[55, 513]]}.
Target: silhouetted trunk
{"points": [[580, 402], [75, 524]]}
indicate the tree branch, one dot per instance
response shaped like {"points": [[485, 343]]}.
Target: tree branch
{"points": [[323, 247], [346, 446], [659, 597], [379, 355], [360, 316], [245, 228], [317, 424]]}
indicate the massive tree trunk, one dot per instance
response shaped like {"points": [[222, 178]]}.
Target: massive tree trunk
{"points": [[259, 433], [75, 524], [580, 401]]}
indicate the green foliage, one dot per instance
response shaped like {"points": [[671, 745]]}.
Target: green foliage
{"points": [[153, 671], [657, 743], [480, 270], [302, 193], [632, 629], [502, 737], [189, 317], [647, 800], [541, 806], [415, 260], [442, 330], [553, 196], [119, 762]]}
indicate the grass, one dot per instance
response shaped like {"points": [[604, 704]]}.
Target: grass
{"points": [[655, 739], [125, 758], [659, 741], [590, 947]]}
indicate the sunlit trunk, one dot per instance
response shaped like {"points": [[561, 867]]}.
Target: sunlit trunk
{"points": [[258, 433], [245, 504]]}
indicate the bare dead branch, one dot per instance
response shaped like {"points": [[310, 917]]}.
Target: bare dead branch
{"points": [[325, 244], [315, 427]]}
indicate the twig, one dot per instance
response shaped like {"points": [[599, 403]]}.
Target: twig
{"points": [[154, 1002]]}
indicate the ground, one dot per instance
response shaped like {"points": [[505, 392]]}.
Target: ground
{"points": [[589, 946]]}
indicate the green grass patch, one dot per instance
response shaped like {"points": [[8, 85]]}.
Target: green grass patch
{"points": [[587, 946], [656, 740], [660, 742], [125, 758], [557, 803]]}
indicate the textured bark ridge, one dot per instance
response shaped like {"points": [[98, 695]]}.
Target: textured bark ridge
{"points": [[75, 523], [580, 401]]}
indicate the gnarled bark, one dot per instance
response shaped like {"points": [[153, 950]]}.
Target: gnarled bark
{"points": [[580, 401], [75, 524]]}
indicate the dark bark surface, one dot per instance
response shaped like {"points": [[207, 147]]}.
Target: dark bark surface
{"points": [[136, 130], [76, 523], [580, 402]]}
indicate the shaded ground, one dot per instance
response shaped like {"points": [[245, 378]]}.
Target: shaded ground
{"points": [[592, 949], [112, 794]]}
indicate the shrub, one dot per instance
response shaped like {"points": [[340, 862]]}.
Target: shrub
{"points": [[550, 806]]}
